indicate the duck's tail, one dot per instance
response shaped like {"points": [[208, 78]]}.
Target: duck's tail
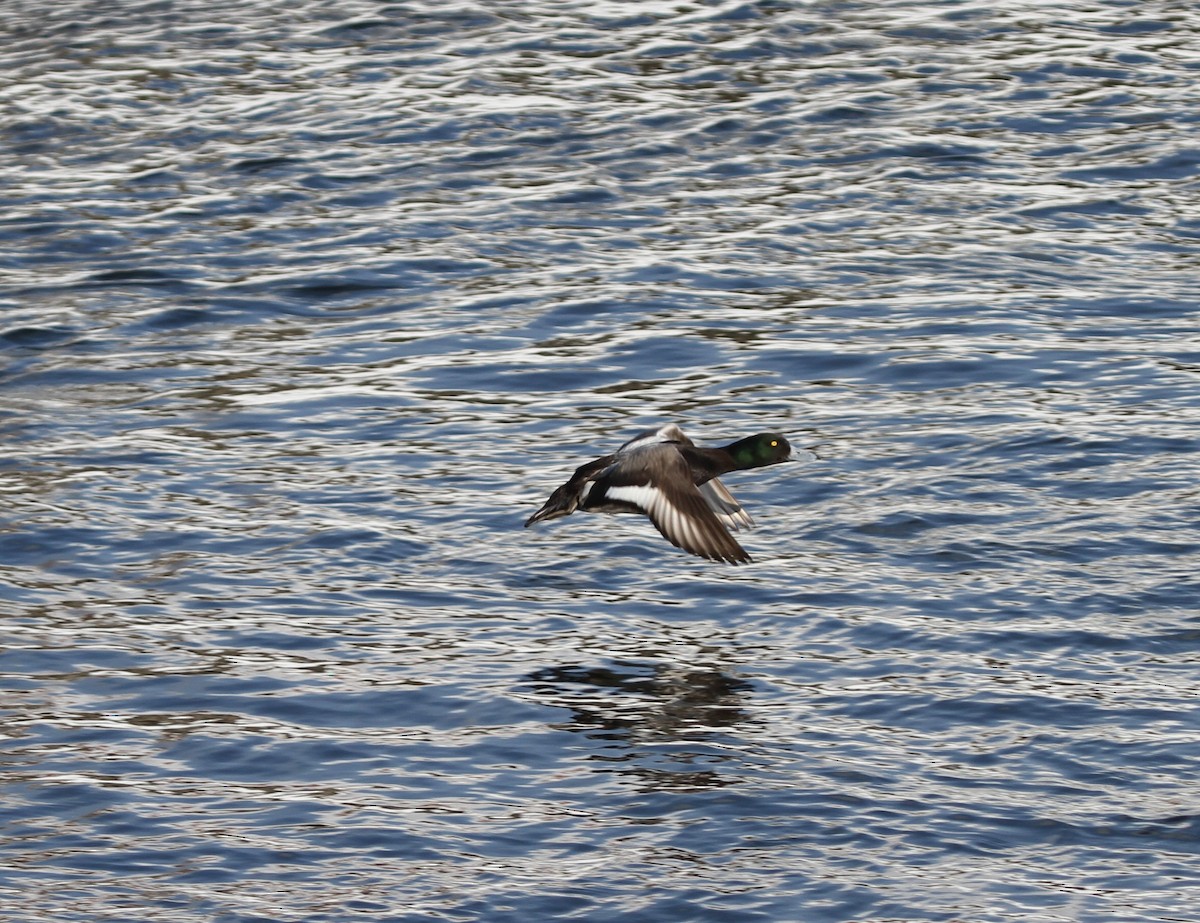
{"points": [[561, 503]]}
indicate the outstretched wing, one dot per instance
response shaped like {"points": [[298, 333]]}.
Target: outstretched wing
{"points": [[668, 432], [722, 502], [676, 507]]}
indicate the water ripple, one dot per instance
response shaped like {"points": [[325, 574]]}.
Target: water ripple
{"points": [[306, 309]]}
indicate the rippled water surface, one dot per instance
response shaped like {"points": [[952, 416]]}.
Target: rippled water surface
{"points": [[305, 307]]}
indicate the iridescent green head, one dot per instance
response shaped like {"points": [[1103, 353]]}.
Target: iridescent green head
{"points": [[759, 450]]}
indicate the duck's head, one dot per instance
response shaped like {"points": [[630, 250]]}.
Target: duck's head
{"points": [[761, 449]]}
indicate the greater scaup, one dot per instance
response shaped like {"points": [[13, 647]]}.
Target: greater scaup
{"points": [[664, 475]]}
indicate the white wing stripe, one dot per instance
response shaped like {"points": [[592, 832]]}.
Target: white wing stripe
{"points": [[644, 496], [708, 539]]}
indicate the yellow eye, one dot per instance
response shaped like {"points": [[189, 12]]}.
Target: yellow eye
{"points": [[774, 443]]}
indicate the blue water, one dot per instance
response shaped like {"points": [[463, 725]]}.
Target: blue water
{"points": [[305, 307]]}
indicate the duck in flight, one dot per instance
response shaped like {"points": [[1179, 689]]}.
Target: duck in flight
{"points": [[664, 475]]}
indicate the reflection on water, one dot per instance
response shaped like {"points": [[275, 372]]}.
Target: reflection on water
{"points": [[305, 310]]}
